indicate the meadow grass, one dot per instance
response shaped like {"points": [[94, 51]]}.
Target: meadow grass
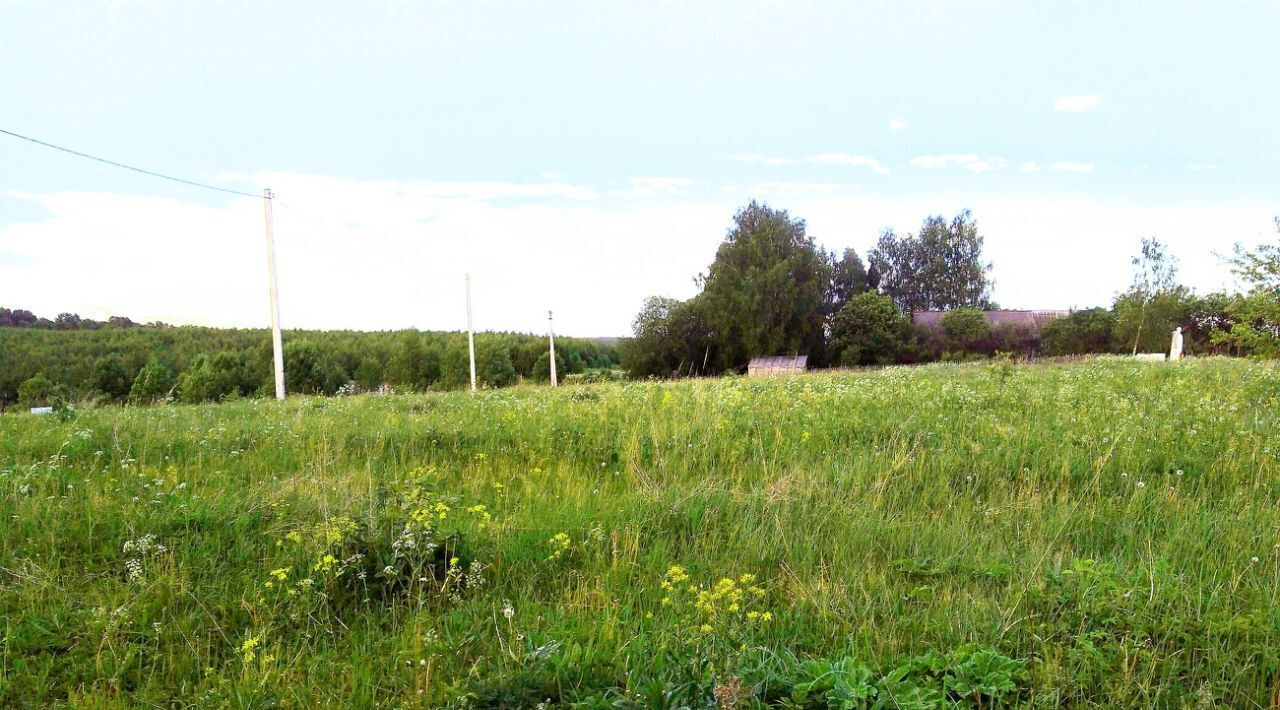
{"points": [[1099, 533]]}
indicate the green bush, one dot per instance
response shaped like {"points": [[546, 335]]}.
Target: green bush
{"points": [[493, 364], [111, 377], [213, 379], [966, 329], [542, 368], [869, 330], [40, 391], [1081, 332], [309, 370], [154, 381]]}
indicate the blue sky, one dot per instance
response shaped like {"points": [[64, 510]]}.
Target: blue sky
{"points": [[580, 156]]}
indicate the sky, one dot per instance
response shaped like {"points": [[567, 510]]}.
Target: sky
{"points": [[580, 156]]}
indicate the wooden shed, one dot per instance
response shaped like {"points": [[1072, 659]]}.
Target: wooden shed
{"points": [[777, 365]]}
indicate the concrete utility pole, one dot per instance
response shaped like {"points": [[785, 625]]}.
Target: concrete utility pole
{"points": [[551, 333], [276, 349], [471, 337]]}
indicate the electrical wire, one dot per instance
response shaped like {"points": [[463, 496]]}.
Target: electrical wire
{"points": [[128, 167]]}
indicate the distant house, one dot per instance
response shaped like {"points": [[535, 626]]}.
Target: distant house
{"points": [[1029, 319], [777, 365]]}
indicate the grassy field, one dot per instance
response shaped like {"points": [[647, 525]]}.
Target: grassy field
{"points": [[1103, 533]]}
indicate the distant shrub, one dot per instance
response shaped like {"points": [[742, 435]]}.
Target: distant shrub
{"points": [[40, 391], [869, 330], [212, 379], [412, 365], [493, 364], [965, 329], [154, 381], [111, 377], [310, 370], [1081, 332], [596, 375], [369, 375], [1022, 339], [542, 368]]}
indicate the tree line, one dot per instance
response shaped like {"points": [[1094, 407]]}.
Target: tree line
{"points": [[772, 290], [46, 365]]}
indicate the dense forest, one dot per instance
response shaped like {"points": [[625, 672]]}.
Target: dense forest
{"points": [[771, 290], [46, 362]]}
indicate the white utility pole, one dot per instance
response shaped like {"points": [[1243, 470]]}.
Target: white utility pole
{"points": [[551, 333], [471, 337], [277, 350]]}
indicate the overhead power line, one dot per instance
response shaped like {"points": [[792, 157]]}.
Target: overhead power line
{"points": [[127, 167]]}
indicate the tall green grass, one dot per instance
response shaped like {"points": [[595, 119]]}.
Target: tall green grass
{"points": [[1111, 526]]}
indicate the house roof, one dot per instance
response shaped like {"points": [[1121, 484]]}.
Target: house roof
{"points": [[1034, 319]]}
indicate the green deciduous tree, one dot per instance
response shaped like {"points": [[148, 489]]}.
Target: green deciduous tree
{"points": [[413, 365], [670, 338], [217, 377], [154, 382], [1256, 315], [1086, 331], [310, 370], [764, 293], [848, 279], [369, 374], [966, 329], [493, 364], [1150, 307], [869, 330], [111, 377], [40, 391], [542, 368], [939, 268]]}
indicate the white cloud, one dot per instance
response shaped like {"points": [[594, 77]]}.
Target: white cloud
{"points": [[1197, 167], [986, 164], [971, 161], [942, 161], [653, 186], [492, 190], [1073, 167], [761, 159], [1076, 103], [896, 125], [847, 159], [1030, 167], [793, 188]]}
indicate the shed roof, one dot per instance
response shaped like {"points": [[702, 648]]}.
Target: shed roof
{"points": [[778, 363]]}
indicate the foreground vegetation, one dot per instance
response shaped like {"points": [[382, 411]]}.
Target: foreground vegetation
{"points": [[1099, 533]]}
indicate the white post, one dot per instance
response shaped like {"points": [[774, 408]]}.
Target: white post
{"points": [[471, 337], [276, 349], [551, 333]]}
